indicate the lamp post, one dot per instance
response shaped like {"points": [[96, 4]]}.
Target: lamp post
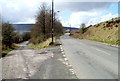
{"points": [[52, 21], [53, 16], [44, 31]]}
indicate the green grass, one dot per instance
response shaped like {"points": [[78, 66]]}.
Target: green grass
{"points": [[108, 42], [41, 45], [5, 52]]}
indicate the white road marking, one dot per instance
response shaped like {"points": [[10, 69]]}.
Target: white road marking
{"points": [[60, 45], [72, 71], [65, 59], [63, 55], [62, 52], [25, 78], [67, 63], [64, 62], [101, 51], [52, 56], [70, 65], [24, 69]]}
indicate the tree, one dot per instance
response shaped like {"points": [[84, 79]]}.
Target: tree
{"points": [[26, 36], [17, 38], [7, 34], [36, 34], [58, 28], [41, 18], [42, 28], [82, 25], [82, 28]]}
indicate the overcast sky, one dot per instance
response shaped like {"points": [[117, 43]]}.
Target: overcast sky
{"points": [[71, 12]]}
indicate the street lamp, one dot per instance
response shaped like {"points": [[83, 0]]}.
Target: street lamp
{"points": [[52, 21], [52, 29]]}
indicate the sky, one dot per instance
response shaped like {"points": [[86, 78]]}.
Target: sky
{"points": [[72, 12]]}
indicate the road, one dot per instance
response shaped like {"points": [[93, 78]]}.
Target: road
{"points": [[91, 60], [27, 63]]}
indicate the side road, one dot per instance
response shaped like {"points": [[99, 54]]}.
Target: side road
{"points": [[27, 63]]}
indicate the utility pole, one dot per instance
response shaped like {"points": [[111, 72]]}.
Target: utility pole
{"points": [[52, 20], [44, 31], [70, 27]]}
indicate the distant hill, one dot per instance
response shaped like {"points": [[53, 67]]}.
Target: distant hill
{"points": [[21, 28], [72, 28], [106, 32]]}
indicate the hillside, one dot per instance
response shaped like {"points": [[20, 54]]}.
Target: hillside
{"points": [[106, 32], [72, 28], [27, 27], [21, 28]]}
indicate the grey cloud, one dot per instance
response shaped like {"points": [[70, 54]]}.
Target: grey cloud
{"points": [[25, 12], [20, 14], [83, 6]]}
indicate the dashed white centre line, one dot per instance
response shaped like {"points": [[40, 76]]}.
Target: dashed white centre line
{"points": [[101, 51]]}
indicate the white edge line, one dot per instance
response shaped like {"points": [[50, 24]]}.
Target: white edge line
{"points": [[101, 51]]}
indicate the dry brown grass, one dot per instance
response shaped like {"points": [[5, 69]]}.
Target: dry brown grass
{"points": [[105, 32]]}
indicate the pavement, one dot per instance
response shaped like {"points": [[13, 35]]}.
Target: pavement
{"points": [[27, 63], [91, 60]]}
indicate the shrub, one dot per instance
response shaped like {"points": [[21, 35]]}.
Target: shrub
{"points": [[7, 34], [83, 30]]}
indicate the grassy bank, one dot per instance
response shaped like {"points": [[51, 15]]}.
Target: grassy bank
{"points": [[105, 32], [107, 42], [5, 52], [42, 44]]}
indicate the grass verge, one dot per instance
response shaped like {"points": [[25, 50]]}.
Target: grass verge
{"points": [[42, 45], [5, 52], [108, 42]]}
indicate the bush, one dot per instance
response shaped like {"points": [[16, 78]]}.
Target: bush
{"points": [[17, 37], [7, 34], [83, 30], [26, 36]]}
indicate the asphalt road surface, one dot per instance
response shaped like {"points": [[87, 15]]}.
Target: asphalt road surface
{"points": [[91, 60], [27, 63]]}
